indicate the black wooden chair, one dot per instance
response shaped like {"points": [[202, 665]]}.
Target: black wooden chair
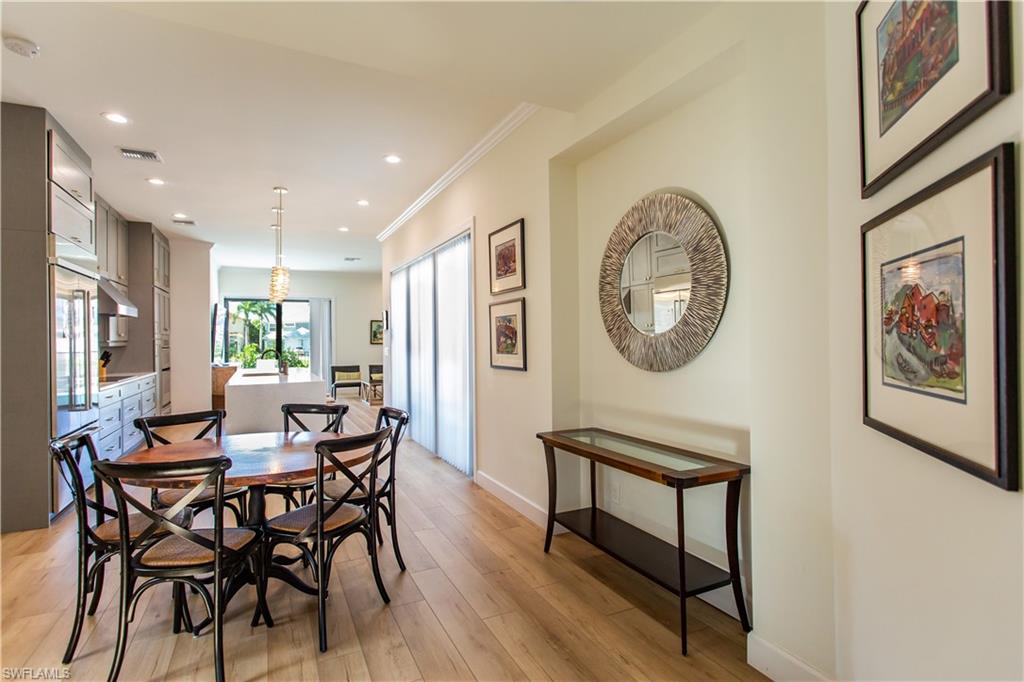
{"points": [[385, 483], [334, 418], [345, 376], [318, 531], [101, 540], [183, 556], [376, 381], [214, 421]]}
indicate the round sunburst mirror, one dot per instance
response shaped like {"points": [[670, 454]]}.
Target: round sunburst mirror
{"points": [[663, 282]]}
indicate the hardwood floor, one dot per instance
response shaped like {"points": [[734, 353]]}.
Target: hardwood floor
{"points": [[480, 600]]}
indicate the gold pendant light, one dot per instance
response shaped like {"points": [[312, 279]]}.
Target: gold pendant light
{"points": [[279, 276]]}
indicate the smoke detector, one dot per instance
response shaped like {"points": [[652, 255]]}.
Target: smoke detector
{"points": [[21, 46]]}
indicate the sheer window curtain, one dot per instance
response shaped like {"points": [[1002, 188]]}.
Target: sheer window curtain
{"points": [[431, 351], [321, 344], [454, 365]]}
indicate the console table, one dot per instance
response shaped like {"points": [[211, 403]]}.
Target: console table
{"points": [[669, 566]]}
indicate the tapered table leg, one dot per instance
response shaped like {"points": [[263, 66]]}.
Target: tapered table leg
{"points": [[681, 532], [549, 454], [732, 513]]}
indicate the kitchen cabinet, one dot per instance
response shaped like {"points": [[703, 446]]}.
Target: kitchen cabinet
{"points": [[70, 219], [121, 403], [161, 262], [111, 242], [69, 170], [162, 313]]}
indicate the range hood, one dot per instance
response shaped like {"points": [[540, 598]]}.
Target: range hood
{"points": [[115, 302]]}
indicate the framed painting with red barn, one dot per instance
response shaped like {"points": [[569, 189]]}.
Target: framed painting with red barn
{"points": [[940, 320]]}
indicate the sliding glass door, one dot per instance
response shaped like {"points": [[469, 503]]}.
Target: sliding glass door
{"points": [[431, 350]]}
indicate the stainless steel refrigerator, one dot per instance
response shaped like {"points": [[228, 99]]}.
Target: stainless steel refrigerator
{"points": [[74, 358]]}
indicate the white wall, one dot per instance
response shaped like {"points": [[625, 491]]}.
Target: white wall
{"points": [[929, 560], [703, 405], [191, 380], [355, 300]]}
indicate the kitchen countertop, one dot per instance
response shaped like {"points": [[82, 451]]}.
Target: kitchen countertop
{"points": [[252, 377], [121, 378]]}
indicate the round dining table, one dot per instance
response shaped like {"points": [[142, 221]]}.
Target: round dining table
{"points": [[257, 460]]}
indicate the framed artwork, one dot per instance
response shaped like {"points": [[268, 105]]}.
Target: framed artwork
{"points": [[508, 267], [940, 320], [926, 69], [508, 334], [376, 332]]}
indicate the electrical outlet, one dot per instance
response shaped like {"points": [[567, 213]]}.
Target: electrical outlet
{"points": [[615, 492]]}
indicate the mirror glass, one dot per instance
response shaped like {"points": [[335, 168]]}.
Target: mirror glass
{"points": [[655, 283]]}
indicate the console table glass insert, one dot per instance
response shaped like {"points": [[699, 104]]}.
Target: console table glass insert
{"points": [[669, 566]]}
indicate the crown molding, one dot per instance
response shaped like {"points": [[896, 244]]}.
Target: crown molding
{"points": [[505, 127]]}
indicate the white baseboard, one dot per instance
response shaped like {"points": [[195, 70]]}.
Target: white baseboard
{"points": [[524, 506], [777, 663]]}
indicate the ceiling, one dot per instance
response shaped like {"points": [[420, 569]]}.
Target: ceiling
{"points": [[240, 97]]}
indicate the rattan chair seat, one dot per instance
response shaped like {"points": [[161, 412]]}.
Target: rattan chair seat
{"points": [[169, 498], [297, 520], [175, 552], [336, 488], [109, 531]]}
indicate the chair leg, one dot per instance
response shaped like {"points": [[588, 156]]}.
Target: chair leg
{"points": [[371, 547], [321, 593], [376, 524], [178, 596], [261, 559], [393, 522], [218, 628], [80, 599], [239, 516], [122, 622], [97, 588]]}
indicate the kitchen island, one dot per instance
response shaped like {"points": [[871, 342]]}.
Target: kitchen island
{"points": [[253, 397]]}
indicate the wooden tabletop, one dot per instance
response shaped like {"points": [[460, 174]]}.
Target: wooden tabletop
{"points": [[256, 458]]}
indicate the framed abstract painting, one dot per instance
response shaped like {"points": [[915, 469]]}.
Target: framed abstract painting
{"points": [[508, 334], [508, 268], [926, 69], [940, 320], [376, 332]]}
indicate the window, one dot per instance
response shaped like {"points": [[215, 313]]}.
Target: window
{"points": [[431, 351], [255, 326]]}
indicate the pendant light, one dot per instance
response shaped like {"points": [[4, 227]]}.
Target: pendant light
{"points": [[279, 276]]}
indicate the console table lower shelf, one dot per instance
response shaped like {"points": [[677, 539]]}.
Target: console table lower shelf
{"points": [[670, 566], [646, 554]]}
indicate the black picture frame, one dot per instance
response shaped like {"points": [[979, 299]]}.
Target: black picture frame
{"points": [[1000, 68], [520, 256], [522, 332], [382, 328], [1006, 475]]}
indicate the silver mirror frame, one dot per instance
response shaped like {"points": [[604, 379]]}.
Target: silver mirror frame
{"points": [[698, 234]]}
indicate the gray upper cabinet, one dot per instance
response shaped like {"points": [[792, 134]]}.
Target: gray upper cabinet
{"points": [[69, 169], [161, 262], [111, 242]]}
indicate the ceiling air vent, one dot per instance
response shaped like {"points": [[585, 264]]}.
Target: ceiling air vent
{"points": [[184, 222], [140, 155], [351, 259]]}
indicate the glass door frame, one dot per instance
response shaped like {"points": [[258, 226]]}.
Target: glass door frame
{"points": [[278, 321]]}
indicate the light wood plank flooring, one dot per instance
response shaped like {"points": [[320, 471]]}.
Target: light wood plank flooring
{"points": [[480, 600]]}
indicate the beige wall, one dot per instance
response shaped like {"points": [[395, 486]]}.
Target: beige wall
{"points": [[929, 560], [191, 386], [355, 300]]}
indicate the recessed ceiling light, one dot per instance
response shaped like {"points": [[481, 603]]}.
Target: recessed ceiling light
{"points": [[363, 202], [275, 227], [114, 117], [179, 216], [155, 181], [342, 229], [393, 158]]}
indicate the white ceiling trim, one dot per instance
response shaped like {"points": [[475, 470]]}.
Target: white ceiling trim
{"points": [[505, 127]]}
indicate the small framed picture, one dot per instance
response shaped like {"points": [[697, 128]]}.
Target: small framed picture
{"points": [[927, 69], [376, 332], [940, 320], [508, 334], [508, 267]]}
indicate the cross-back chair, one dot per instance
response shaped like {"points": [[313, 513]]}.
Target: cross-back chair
{"points": [[385, 484], [319, 528], [100, 540], [209, 421], [183, 556], [334, 423]]}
